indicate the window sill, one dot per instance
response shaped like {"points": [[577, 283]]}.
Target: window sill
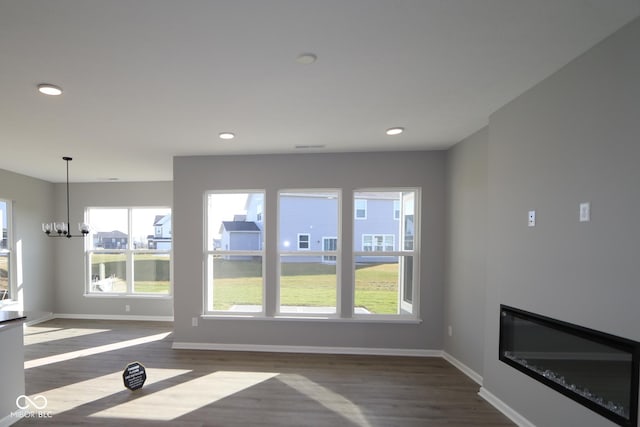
{"points": [[324, 319], [136, 296]]}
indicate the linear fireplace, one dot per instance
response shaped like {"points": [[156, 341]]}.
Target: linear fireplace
{"points": [[597, 370]]}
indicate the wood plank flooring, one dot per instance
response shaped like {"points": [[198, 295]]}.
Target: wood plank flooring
{"points": [[77, 366]]}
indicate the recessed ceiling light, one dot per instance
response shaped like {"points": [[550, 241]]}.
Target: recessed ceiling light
{"points": [[227, 135], [306, 58], [49, 89], [395, 131]]}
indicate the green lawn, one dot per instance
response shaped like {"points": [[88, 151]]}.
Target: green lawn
{"points": [[305, 284], [377, 288], [151, 272], [240, 282], [148, 287], [98, 258]]}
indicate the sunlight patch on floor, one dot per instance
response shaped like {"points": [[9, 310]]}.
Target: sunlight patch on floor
{"points": [[327, 398], [35, 330], [93, 350], [189, 396], [59, 334], [73, 395]]}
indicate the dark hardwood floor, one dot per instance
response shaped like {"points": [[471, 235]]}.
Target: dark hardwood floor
{"points": [[77, 366]]}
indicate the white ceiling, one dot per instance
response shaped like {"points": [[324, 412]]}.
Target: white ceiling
{"points": [[147, 80]]}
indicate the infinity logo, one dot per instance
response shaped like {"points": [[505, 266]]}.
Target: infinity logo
{"points": [[39, 402]]}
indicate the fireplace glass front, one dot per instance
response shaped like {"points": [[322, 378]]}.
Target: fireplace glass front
{"points": [[598, 370]]}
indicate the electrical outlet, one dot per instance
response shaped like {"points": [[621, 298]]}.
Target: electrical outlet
{"points": [[127, 308], [532, 219], [194, 321]]}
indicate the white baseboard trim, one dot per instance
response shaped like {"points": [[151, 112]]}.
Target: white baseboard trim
{"points": [[112, 317], [47, 316], [504, 408], [307, 349], [463, 368]]}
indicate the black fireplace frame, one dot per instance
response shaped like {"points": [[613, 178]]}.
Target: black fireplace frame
{"points": [[619, 343]]}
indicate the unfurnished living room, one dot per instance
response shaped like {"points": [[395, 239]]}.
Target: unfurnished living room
{"points": [[323, 213]]}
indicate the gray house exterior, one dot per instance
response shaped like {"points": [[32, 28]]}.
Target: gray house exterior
{"points": [[309, 223], [240, 236], [110, 240], [161, 239]]}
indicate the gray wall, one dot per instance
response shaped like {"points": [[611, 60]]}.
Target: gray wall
{"points": [[32, 205], [195, 175], [573, 138], [464, 293], [69, 254]]}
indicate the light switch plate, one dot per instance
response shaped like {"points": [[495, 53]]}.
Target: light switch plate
{"points": [[585, 212]]}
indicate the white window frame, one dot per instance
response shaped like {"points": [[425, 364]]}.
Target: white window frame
{"points": [[210, 251], [408, 305], [129, 253], [400, 253], [308, 242], [320, 254], [355, 209], [9, 250]]}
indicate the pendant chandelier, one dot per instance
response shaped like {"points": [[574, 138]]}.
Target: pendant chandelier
{"points": [[61, 228]]}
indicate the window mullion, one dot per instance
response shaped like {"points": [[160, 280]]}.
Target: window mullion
{"points": [[129, 263], [130, 272]]}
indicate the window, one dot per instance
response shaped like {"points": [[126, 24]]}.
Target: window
{"points": [[129, 251], [329, 244], [360, 207], [234, 252], [308, 284], [303, 241], [306, 273], [383, 269], [378, 242], [6, 249]]}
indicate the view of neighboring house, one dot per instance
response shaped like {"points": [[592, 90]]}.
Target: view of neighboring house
{"points": [[377, 222], [312, 222], [308, 222], [110, 240], [161, 239], [240, 235]]}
